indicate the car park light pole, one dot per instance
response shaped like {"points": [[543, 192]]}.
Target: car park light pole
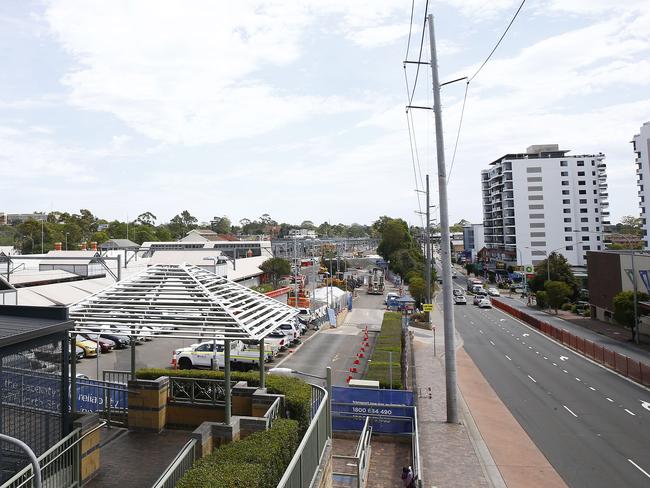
{"points": [[328, 385]]}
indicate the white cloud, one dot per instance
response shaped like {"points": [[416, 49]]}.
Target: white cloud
{"points": [[379, 36]]}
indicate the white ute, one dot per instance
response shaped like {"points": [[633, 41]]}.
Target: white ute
{"points": [[201, 355]]}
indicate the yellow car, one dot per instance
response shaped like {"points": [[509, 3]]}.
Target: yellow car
{"points": [[89, 347]]}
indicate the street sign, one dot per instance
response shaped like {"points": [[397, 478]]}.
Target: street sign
{"points": [[529, 269], [427, 307]]}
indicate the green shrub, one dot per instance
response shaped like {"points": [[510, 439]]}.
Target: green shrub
{"points": [[258, 460], [586, 313], [540, 298], [388, 341], [567, 306], [297, 393], [574, 308]]}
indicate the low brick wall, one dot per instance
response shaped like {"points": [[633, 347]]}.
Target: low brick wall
{"points": [[630, 368]]}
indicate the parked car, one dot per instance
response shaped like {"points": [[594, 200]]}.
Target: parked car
{"points": [[89, 347], [305, 315], [460, 300], [477, 299], [79, 353], [277, 339], [493, 292], [120, 341], [289, 330], [105, 345], [457, 292], [485, 303]]}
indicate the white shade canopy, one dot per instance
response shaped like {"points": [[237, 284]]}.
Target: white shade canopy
{"points": [[182, 301]]}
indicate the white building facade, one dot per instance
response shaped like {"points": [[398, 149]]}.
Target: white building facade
{"points": [[641, 144], [545, 201]]}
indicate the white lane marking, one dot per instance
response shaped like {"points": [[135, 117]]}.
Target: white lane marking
{"points": [[569, 410], [530, 347], [481, 331], [545, 357], [507, 357], [554, 364], [523, 342], [610, 400], [492, 343], [502, 320], [536, 352], [639, 468], [525, 335], [565, 371], [563, 358], [592, 388], [532, 379], [631, 413], [578, 379], [645, 405], [471, 322]]}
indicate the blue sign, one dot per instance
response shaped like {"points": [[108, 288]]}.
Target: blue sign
{"points": [[92, 395], [331, 315], [26, 389], [391, 411]]}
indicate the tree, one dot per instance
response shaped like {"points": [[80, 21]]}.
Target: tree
{"points": [[458, 226], [275, 268], [307, 224], [146, 218], [418, 289], [557, 293], [395, 235], [623, 305], [630, 225], [221, 225], [560, 270]]}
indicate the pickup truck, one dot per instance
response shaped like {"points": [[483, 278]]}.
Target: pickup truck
{"points": [[202, 354]]}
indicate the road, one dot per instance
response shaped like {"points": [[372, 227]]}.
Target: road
{"points": [[337, 348], [591, 424]]}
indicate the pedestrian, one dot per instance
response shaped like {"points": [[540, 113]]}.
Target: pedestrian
{"points": [[407, 477]]}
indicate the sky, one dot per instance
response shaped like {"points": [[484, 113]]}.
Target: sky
{"points": [[295, 108]]}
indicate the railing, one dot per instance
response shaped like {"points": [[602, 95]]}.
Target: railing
{"points": [[307, 458], [60, 464], [197, 391], [107, 398], [361, 459], [415, 450], [115, 376], [272, 413], [181, 463]]}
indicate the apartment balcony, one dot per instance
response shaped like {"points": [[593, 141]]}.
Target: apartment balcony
{"points": [[509, 222], [602, 184], [604, 213], [601, 165], [606, 195], [604, 203]]}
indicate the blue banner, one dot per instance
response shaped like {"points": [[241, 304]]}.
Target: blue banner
{"points": [[92, 394], [391, 411], [27, 389]]}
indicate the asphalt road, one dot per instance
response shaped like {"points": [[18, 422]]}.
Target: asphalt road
{"points": [[337, 348], [591, 424]]}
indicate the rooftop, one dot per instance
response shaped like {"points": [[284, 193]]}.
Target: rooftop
{"points": [[20, 324]]}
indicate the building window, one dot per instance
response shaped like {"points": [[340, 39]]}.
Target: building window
{"points": [[564, 173], [568, 229], [585, 238], [584, 229], [586, 248], [569, 248], [536, 216], [583, 210], [537, 225], [536, 206], [565, 192], [595, 200], [583, 201], [593, 173], [593, 163], [565, 183], [597, 238], [538, 234], [537, 169], [566, 202], [568, 238], [597, 229], [538, 243], [595, 192], [582, 192], [598, 220], [563, 163], [534, 188], [566, 210], [593, 182], [567, 219], [581, 163], [535, 197], [582, 183], [534, 179], [581, 173], [584, 219]]}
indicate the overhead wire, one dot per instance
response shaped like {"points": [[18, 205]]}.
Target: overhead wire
{"points": [[417, 70], [408, 43]]}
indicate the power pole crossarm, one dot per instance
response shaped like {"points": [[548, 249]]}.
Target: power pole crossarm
{"points": [[445, 260]]}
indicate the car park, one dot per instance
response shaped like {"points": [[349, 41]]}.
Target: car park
{"points": [[89, 347], [105, 345], [493, 292], [485, 303], [120, 341], [460, 300]]}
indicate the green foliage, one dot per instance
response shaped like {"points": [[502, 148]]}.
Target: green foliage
{"points": [[263, 288], [540, 298], [560, 271], [258, 460], [568, 306], [557, 292], [623, 305], [418, 289], [388, 341], [221, 225], [275, 268], [395, 236], [297, 393], [470, 268]]}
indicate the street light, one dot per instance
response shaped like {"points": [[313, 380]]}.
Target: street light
{"points": [[328, 385]]}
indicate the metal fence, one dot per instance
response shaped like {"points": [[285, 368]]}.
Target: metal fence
{"points": [[197, 391], [108, 399], [273, 412], [415, 450], [181, 463], [360, 462], [307, 458]]}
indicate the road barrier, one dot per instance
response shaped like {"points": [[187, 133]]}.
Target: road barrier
{"points": [[628, 367]]}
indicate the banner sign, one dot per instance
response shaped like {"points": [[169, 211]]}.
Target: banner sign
{"points": [[331, 315], [391, 411], [92, 395], [645, 279]]}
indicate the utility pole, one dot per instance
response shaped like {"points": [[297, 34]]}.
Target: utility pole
{"points": [[427, 246], [295, 275], [636, 316], [445, 260]]}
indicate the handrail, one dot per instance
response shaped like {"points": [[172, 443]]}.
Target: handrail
{"points": [[313, 429], [272, 412], [173, 466], [361, 455], [415, 449]]}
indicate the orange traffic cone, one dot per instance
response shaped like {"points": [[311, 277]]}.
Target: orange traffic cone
{"points": [[361, 355], [356, 361], [348, 380], [353, 369]]}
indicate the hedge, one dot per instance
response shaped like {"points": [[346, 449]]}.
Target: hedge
{"points": [[389, 340], [297, 393], [258, 460]]}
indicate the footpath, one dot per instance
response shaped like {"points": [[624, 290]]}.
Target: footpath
{"points": [[488, 448]]}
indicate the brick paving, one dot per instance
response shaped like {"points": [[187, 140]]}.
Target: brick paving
{"points": [[446, 450], [136, 459]]}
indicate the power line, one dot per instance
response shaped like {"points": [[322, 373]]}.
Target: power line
{"points": [[408, 43], [413, 157], [498, 42], [460, 124], [417, 71]]}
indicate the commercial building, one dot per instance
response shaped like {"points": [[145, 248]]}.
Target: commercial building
{"points": [[641, 144], [545, 201], [611, 272], [303, 233], [473, 240], [3, 218], [13, 219]]}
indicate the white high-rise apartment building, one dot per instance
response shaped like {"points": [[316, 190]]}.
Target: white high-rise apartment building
{"points": [[544, 201], [641, 143]]}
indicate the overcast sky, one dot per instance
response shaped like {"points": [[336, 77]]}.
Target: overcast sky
{"points": [[296, 107]]}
